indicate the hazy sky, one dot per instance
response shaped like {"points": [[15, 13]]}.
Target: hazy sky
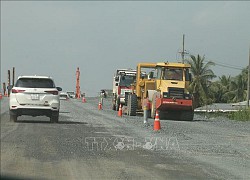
{"points": [[54, 38]]}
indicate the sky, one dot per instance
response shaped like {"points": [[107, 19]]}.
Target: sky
{"points": [[53, 38]]}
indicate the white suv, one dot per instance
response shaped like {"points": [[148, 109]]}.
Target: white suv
{"points": [[34, 96]]}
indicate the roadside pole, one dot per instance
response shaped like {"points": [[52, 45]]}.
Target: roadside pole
{"points": [[8, 87], [13, 76], [248, 87]]}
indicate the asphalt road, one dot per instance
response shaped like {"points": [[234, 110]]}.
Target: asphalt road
{"points": [[88, 143]]}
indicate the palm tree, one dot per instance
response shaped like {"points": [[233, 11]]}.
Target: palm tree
{"points": [[237, 91], [216, 92], [225, 82], [244, 73], [202, 76]]}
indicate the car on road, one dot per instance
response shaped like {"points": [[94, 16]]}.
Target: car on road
{"points": [[71, 94], [64, 96], [34, 96]]}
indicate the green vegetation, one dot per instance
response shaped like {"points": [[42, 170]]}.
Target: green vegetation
{"points": [[202, 76], [243, 115], [230, 89], [225, 90]]}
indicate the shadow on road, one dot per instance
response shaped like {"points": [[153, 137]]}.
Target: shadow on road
{"points": [[71, 122], [48, 122]]}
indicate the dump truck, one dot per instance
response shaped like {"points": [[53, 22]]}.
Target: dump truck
{"points": [[164, 88], [122, 80]]}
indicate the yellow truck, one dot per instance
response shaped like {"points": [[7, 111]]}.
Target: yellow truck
{"points": [[164, 88]]}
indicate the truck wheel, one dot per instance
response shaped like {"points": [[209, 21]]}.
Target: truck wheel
{"points": [[54, 117], [126, 99], [13, 118], [132, 104], [187, 115], [117, 104], [113, 102]]}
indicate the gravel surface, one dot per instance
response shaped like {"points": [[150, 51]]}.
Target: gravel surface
{"points": [[88, 143]]}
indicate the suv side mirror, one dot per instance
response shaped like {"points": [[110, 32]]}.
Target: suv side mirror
{"points": [[59, 88]]}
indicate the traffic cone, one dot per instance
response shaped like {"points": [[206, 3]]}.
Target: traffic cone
{"points": [[157, 124], [100, 106], [120, 111], [1, 96], [83, 100]]}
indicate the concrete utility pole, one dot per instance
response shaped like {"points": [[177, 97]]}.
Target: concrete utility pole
{"points": [[13, 76], [8, 83], [248, 87], [183, 49]]}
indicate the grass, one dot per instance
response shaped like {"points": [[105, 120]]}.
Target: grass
{"points": [[242, 115]]}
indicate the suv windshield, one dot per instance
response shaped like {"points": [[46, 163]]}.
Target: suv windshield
{"points": [[127, 80], [35, 83]]}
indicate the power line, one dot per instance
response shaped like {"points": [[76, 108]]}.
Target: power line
{"points": [[230, 66], [227, 66]]}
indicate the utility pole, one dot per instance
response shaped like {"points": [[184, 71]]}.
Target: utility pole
{"points": [[248, 87], [13, 76], [183, 49], [8, 83]]}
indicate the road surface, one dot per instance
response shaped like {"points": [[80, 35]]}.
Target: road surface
{"points": [[88, 143]]}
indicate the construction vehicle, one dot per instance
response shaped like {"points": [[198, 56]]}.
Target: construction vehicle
{"points": [[165, 88], [123, 78]]}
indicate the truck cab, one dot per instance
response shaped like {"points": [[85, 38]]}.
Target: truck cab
{"points": [[123, 78]]}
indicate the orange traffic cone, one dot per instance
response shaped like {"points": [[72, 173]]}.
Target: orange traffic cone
{"points": [[120, 111], [157, 124], [83, 99], [100, 106]]}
